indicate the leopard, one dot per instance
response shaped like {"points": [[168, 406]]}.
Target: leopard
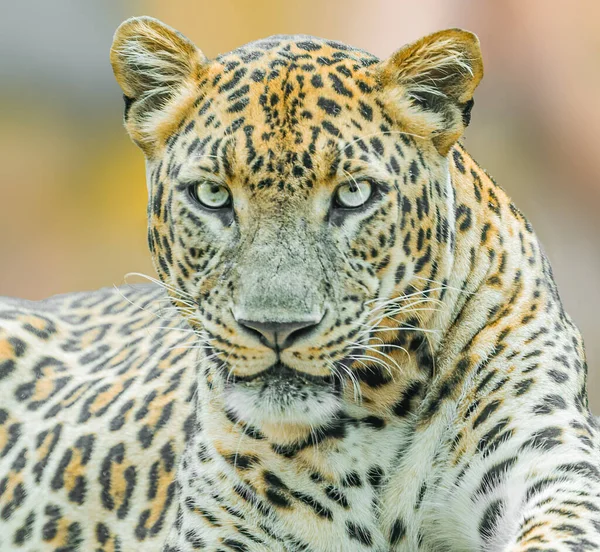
{"points": [[354, 343]]}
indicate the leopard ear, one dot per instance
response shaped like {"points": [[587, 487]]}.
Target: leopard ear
{"points": [[158, 70], [432, 82]]}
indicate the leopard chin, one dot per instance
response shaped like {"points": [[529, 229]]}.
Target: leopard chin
{"points": [[283, 395]]}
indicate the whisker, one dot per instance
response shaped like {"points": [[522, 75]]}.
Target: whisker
{"points": [[407, 328], [375, 360], [158, 282], [355, 385], [374, 349], [133, 304]]}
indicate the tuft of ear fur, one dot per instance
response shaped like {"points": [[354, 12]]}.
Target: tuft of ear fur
{"points": [[432, 82], [158, 70]]}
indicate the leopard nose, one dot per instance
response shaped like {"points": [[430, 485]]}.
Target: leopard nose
{"points": [[280, 335]]}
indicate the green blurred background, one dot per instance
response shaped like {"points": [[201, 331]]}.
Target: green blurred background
{"points": [[72, 190]]}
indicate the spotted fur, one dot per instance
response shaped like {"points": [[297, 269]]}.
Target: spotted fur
{"points": [[431, 394]]}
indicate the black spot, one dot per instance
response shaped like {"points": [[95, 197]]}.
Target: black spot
{"points": [[373, 376], [374, 421], [463, 212], [277, 498], [375, 476], [235, 545], [329, 106], [493, 437], [549, 404], [584, 469], [558, 376], [272, 479], [235, 79], [365, 110], [403, 406], [489, 409], [257, 75], [332, 129], [316, 81], [7, 367], [338, 86], [400, 272], [545, 439], [352, 480], [343, 70], [337, 496], [490, 519], [308, 45], [414, 171], [523, 386], [238, 106], [314, 504], [398, 532], [336, 430], [78, 492], [364, 87], [195, 540], [24, 533], [322, 60], [241, 461], [458, 161], [377, 146], [493, 477], [359, 533]]}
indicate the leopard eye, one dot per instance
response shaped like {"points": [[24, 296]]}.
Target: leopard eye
{"points": [[211, 195], [353, 194]]}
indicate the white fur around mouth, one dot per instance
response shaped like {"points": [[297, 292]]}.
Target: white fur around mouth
{"points": [[274, 398]]}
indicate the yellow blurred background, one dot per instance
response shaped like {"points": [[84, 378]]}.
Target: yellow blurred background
{"points": [[72, 190]]}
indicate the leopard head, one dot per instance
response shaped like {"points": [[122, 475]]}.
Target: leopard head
{"points": [[297, 188]]}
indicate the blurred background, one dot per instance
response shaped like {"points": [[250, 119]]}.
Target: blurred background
{"points": [[72, 189]]}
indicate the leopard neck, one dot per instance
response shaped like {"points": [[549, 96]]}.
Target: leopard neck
{"points": [[499, 279]]}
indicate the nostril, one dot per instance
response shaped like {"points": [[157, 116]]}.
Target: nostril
{"points": [[298, 333], [280, 335], [251, 327]]}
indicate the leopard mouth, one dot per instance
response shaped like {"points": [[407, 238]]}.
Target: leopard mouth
{"points": [[279, 374], [283, 395]]}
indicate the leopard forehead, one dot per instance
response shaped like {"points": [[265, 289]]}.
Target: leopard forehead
{"points": [[290, 106], [287, 71], [281, 50]]}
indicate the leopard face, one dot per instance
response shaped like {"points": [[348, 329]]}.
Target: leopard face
{"points": [[296, 186]]}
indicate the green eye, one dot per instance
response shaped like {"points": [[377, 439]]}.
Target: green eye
{"points": [[211, 195], [354, 194]]}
